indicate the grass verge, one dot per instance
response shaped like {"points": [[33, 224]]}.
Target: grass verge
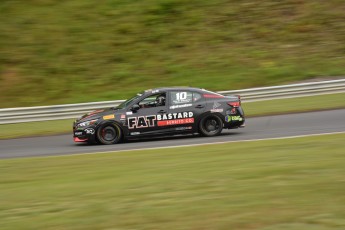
{"points": [[295, 105], [292, 105], [38, 128], [275, 184]]}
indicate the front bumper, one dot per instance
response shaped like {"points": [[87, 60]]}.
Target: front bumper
{"points": [[77, 139], [84, 134]]}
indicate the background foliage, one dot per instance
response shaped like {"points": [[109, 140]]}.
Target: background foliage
{"points": [[82, 50]]}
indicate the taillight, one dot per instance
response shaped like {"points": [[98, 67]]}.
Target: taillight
{"points": [[235, 103]]}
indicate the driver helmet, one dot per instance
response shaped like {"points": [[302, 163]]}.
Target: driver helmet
{"points": [[160, 100]]}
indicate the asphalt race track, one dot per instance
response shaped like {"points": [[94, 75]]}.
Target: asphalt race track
{"points": [[256, 128]]}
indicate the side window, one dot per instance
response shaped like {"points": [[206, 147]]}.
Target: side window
{"points": [[154, 100], [181, 97], [196, 97]]}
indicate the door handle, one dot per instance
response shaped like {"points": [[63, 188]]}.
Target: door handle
{"points": [[162, 111], [199, 106]]}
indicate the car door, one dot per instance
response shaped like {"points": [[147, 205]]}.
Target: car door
{"points": [[185, 108], [144, 120]]}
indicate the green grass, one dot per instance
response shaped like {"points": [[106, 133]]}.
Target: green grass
{"points": [[55, 52], [281, 106], [39, 128], [277, 184], [293, 105]]}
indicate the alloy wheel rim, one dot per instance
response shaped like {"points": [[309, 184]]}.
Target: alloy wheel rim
{"points": [[211, 125], [108, 134]]}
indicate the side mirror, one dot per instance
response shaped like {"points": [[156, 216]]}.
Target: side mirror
{"points": [[135, 107]]}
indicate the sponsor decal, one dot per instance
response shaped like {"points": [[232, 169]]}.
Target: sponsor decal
{"points": [[233, 118], [236, 118], [216, 105], [122, 117], [171, 116], [148, 90], [228, 118], [78, 133], [134, 133], [89, 131], [141, 122], [107, 117], [176, 122], [180, 106], [217, 110], [162, 120], [181, 97], [129, 113], [184, 128]]}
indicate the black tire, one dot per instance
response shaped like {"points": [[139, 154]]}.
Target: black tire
{"points": [[109, 134], [210, 125]]}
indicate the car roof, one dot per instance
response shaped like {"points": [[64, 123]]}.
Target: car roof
{"points": [[175, 88]]}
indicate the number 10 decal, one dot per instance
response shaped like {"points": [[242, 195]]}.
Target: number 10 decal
{"points": [[181, 96]]}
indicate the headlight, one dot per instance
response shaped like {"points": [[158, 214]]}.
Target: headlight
{"points": [[87, 123]]}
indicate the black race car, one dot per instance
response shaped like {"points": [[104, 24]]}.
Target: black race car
{"points": [[162, 111]]}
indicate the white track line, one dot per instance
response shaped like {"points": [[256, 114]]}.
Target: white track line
{"points": [[192, 145]]}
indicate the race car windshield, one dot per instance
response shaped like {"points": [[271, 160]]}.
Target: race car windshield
{"points": [[127, 102]]}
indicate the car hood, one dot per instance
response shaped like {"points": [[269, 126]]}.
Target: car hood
{"points": [[98, 113]]}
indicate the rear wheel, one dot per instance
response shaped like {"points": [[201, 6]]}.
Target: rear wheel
{"points": [[210, 126], [109, 134]]}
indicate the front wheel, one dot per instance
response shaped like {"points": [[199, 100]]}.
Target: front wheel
{"points": [[109, 134], [210, 126]]}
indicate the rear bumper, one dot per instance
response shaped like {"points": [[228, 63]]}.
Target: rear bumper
{"points": [[234, 118], [233, 122], [234, 125]]}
